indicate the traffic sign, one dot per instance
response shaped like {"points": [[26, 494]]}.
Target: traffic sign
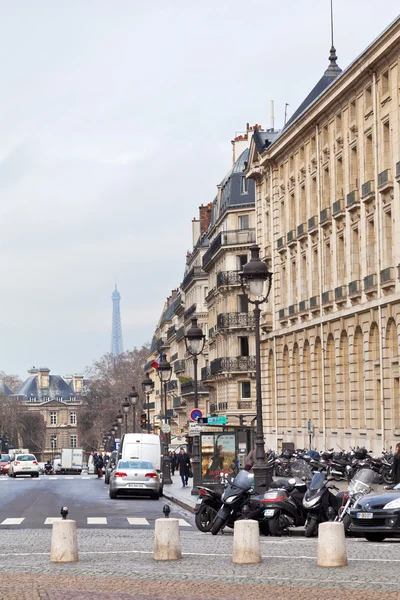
{"points": [[196, 414], [166, 428], [194, 429], [217, 420]]}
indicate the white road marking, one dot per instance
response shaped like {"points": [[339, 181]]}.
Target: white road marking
{"points": [[69, 477], [50, 520], [52, 478], [12, 521], [84, 477], [183, 523], [137, 521], [97, 520]]}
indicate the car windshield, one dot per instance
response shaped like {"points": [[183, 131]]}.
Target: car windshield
{"points": [[25, 457], [243, 480], [301, 469], [317, 481], [135, 464], [363, 480], [5, 458]]}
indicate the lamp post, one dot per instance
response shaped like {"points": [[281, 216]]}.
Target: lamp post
{"points": [[119, 419], [108, 439], [148, 386], [194, 340], [125, 407], [164, 373], [133, 399], [255, 273]]}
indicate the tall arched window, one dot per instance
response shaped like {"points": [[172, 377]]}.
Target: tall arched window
{"points": [[373, 358], [358, 392], [306, 395], [330, 392], [318, 410], [296, 388], [284, 420], [344, 396], [392, 353], [271, 391]]}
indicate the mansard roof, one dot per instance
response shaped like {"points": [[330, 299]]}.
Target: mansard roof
{"points": [[4, 389], [58, 388]]}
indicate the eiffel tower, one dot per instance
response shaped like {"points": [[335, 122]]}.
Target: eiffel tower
{"points": [[117, 346]]}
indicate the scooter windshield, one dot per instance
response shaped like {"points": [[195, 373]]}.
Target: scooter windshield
{"points": [[317, 481], [243, 480], [363, 480], [302, 470]]}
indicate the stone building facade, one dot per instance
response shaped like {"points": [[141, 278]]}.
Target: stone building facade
{"points": [[328, 224]]}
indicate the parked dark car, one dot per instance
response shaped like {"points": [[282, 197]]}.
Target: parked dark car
{"points": [[4, 464], [377, 516]]}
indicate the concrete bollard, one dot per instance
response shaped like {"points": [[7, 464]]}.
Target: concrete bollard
{"points": [[331, 545], [167, 540], [246, 542], [64, 542]]}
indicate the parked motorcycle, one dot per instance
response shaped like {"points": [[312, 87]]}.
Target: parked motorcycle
{"points": [[321, 504], [361, 484], [235, 496], [207, 505], [48, 469]]}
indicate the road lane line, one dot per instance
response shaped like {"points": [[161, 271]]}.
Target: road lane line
{"points": [[137, 521], [183, 523], [12, 521], [50, 520], [97, 520]]}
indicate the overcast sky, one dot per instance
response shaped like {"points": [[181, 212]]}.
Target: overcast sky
{"points": [[115, 125]]}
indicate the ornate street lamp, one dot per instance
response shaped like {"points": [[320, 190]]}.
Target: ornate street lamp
{"points": [[194, 340], [148, 387], [125, 407], [164, 373], [133, 399], [254, 275], [119, 419]]}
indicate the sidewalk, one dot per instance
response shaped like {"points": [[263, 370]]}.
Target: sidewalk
{"points": [[181, 496]]}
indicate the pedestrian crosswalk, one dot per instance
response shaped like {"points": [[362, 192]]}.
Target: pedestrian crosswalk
{"points": [[140, 521]]}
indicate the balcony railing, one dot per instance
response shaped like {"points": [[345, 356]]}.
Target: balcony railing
{"points": [[291, 237], [387, 275], [367, 188], [292, 310], [327, 297], [337, 208], [314, 302], [179, 366], [370, 282], [325, 216], [280, 242], [172, 385], [205, 373], [232, 320], [384, 178], [189, 311], [174, 357], [180, 333], [301, 230], [229, 238], [211, 333], [235, 363], [312, 223], [340, 293], [355, 288], [188, 388], [171, 332], [228, 278], [177, 402], [303, 306], [352, 199], [282, 314], [194, 273], [150, 406]]}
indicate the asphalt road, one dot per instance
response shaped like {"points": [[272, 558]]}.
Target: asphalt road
{"points": [[28, 502]]}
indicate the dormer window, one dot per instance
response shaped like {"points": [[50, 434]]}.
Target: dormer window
{"points": [[244, 186]]}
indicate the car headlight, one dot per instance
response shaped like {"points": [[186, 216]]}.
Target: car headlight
{"points": [[393, 504], [310, 503], [230, 499]]}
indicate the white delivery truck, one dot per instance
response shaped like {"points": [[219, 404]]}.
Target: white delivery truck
{"points": [[13, 451], [71, 461], [142, 446]]}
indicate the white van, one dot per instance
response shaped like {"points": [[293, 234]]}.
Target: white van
{"points": [[141, 446]]}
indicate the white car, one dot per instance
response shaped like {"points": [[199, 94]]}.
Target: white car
{"points": [[24, 464]]}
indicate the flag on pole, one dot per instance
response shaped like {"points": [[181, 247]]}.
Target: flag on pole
{"points": [[155, 364]]}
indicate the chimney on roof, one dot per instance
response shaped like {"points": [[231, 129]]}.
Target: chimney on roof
{"points": [[77, 383], [195, 231], [205, 218]]}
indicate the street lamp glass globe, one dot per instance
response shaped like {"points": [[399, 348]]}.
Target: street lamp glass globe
{"points": [[125, 407], [133, 396], [256, 286], [119, 418], [164, 369], [147, 384]]}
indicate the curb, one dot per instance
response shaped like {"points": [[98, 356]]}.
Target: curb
{"points": [[177, 501]]}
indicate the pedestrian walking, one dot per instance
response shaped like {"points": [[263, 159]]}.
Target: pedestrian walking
{"points": [[396, 465], [95, 459], [100, 465], [184, 466], [173, 462]]}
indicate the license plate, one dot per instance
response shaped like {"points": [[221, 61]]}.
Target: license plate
{"points": [[135, 485], [367, 515], [199, 500], [269, 512], [26, 468]]}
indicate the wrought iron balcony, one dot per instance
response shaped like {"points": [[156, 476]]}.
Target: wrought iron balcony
{"points": [[188, 388], [150, 406], [353, 200], [171, 332], [370, 282], [174, 357], [327, 298], [355, 288], [159, 343], [233, 364], [340, 293], [280, 243], [301, 230], [211, 333], [228, 278], [325, 216], [235, 320], [282, 314], [194, 273], [292, 310], [338, 208], [303, 306], [384, 180], [189, 311], [312, 223], [179, 366], [180, 333], [387, 276], [172, 385], [367, 188], [314, 302], [229, 238], [177, 402], [291, 237], [205, 373]]}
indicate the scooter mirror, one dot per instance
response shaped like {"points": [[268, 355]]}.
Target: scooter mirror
{"points": [[292, 481]]}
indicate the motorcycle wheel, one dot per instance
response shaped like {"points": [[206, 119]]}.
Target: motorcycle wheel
{"points": [[387, 478], [310, 528], [217, 525], [275, 525], [264, 528], [346, 523], [204, 519], [375, 537], [278, 472]]}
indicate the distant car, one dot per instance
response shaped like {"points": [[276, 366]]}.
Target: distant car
{"points": [[134, 477], [4, 463], [110, 466], [377, 516], [24, 464]]}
